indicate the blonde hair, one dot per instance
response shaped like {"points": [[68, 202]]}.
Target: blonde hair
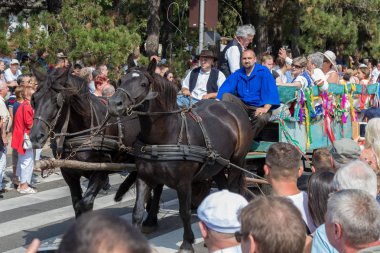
{"points": [[372, 139]]}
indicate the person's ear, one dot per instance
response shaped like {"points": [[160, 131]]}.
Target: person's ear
{"points": [[300, 171], [252, 244], [266, 170], [203, 229], [338, 233]]}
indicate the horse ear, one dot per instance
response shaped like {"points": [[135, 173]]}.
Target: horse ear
{"points": [[152, 66], [151, 95], [39, 75], [63, 76]]}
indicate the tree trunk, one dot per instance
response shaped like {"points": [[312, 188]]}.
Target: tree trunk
{"points": [[153, 29], [167, 29], [72, 164], [260, 21]]}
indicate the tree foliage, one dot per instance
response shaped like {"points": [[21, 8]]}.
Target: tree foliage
{"points": [[82, 29]]}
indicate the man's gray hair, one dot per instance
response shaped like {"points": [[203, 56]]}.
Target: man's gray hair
{"points": [[316, 59], [356, 175], [358, 213], [245, 30], [108, 91]]}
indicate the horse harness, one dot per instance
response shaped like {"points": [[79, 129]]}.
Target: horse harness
{"points": [[76, 142], [183, 152]]}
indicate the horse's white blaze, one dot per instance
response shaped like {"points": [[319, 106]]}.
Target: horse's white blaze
{"points": [[135, 74]]}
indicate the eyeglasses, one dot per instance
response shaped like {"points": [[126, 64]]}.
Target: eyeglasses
{"points": [[296, 66], [239, 236]]}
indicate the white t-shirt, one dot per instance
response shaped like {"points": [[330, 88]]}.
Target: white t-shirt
{"points": [[319, 75], [9, 76], [282, 76], [375, 74], [234, 249], [300, 200], [200, 88], [301, 80]]}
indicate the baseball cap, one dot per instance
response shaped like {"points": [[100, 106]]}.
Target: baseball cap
{"points": [[345, 150], [14, 61], [220, 210]]}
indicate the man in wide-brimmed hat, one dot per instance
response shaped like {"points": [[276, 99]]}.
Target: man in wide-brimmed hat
{"points": [[202, 82]]}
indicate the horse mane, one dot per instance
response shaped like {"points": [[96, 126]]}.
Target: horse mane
{"points": [[167, 91]]}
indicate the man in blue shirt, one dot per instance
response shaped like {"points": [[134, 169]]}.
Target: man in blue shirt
{"points": [[255, 90]]}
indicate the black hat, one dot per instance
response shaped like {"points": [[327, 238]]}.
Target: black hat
{"points": [[208, 54]]}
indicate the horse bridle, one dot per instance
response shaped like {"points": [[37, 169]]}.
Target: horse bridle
{"points": [[51, 126]]}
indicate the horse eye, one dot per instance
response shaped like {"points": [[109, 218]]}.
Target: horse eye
{"points": [[144, 84]]}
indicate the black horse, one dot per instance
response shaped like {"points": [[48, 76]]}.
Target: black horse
{"points": [[225, 125], [63, 104]]}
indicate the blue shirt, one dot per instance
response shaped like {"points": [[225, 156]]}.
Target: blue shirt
{"points": [[321, 242], [257, 90]]}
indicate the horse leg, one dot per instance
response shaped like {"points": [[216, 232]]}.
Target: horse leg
{"points": [[95, 184], [124, 187], [151, 222], [138, 210], [73, 181], [184, 197], [236, 179]]}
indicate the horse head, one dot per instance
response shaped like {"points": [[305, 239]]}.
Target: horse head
{"points": [[48, 101], [134, 89]]}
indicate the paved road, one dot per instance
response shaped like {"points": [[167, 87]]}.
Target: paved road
{"points": [[47, 215]]}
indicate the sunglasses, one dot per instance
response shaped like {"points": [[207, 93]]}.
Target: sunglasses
{"points": [[239, 236], [296, 66]]}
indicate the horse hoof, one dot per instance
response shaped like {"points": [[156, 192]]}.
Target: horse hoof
{"points": [[148, 230]]}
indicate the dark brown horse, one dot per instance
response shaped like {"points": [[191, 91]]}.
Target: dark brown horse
{"points": [[62, 97], [225, 124]]}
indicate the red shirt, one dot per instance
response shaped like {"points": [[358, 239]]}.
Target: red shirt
{"points": [[22, 123]]}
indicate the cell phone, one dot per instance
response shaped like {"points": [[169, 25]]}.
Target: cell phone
{"points": [[362, 127]]}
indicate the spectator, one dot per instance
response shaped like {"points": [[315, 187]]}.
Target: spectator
{"points": [[375, 73], [100, 82], [169, 75], [344, 151], [314, 65], [271, 225], [267, 61], [132, 60], [231, 56], [283, 67], [218, 214], [22, 125], [329, 67], [97, 232], [354, 175], [86, 74], [322, 160], [108, 90], [42, 54], [353, 221], [62, 61], [103, 70], [19, 92], [4, 114], [76, 70], [282, 169], [12, 73], [254, 89], [364, 75], [371, 152], [202, 82], [301, 77], [319, 188]]}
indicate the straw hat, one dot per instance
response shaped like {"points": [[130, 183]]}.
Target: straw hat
{"points": [[330, 55]]}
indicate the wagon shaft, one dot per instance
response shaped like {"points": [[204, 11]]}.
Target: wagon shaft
{"points": [[51, 163]]}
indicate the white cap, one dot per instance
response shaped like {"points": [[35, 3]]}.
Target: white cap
{"points": [[14, 61], [220, 210]]}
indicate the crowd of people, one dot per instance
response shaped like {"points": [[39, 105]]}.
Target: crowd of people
{"points": [[336, 211]]}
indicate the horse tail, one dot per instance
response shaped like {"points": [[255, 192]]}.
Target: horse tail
{"points": [[125, 186]]}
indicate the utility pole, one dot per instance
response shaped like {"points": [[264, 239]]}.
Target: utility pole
{"points": [[201, 23]]}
